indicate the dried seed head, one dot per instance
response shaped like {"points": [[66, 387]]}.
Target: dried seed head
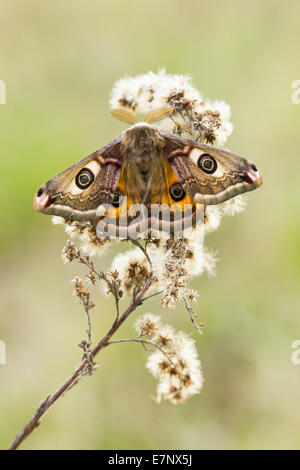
{"points": [[175, 364], [194, 117], [147, 325], [133, 269]]}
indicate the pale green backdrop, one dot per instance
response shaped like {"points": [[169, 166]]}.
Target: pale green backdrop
{"points": [[59, 60]]}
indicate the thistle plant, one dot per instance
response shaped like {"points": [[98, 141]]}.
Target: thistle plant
{"points": [[156, 264]]}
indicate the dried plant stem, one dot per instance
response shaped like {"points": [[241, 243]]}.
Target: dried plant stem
{"points": [[152, 295], [193, 317], [80, 370], [144, 342], [144, 250], [89, 329]]}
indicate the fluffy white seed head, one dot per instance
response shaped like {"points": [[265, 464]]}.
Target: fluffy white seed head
{"points": [[147, 325], [175, 365], [193, 116], [235, 205]]}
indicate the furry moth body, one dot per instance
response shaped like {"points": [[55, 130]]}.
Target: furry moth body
{"points": [[149, 166]]}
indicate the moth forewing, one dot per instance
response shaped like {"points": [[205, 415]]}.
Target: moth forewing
{"points": [[208, 174]]}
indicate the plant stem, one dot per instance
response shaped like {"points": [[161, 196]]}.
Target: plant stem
{"points": [[79, 371]]}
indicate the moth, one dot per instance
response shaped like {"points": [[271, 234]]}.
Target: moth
{"points": [[149, 167]]}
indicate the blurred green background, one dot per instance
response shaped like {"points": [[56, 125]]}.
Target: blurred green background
{"points": [[59, 61]]}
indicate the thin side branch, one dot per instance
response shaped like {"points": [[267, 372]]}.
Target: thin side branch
{"points": [[144, 342]]}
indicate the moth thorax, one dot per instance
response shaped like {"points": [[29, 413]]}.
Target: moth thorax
{"points": [[141, 143]]}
